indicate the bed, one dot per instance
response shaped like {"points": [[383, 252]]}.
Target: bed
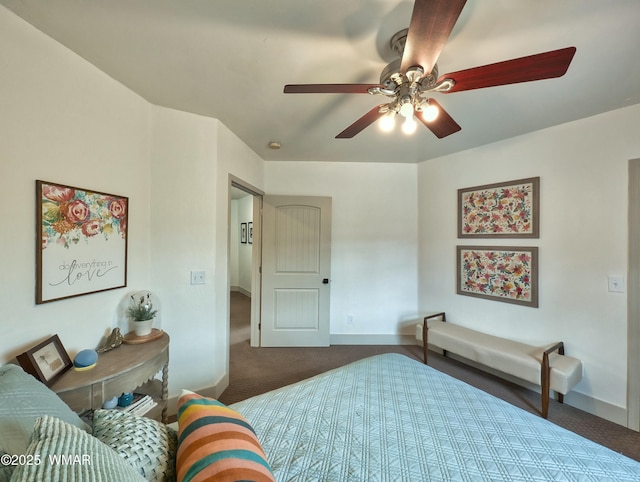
{"points": [[391, 418]]}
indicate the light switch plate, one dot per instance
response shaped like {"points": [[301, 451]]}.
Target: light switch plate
{"points": [[198, 278], [616, 284]]}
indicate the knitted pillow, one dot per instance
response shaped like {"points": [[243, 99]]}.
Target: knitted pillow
{"points": [[5, 470], [22, 400], [217, 443], [147, 445], [62, 452]]}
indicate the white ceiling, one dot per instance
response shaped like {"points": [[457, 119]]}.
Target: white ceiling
{"points": [[230, 59]]}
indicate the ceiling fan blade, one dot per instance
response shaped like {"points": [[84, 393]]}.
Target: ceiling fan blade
{"points": [[546, 65], [430, 27], [443, 125], [362, 123], [329, 88]]}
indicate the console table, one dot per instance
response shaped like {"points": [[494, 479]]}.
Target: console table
{"points": [[126, 368]]}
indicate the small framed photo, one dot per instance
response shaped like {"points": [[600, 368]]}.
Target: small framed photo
{"points": [[250, 235], [243, 233], [47, 361]]}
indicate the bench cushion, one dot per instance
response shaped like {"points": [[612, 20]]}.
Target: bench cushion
{"points": [[514, 358]]}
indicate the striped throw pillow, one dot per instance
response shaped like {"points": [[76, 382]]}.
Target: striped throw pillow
{"points": [[217, 443]]}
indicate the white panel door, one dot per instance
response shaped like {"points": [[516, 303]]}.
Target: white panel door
{"points": [[296, 263]]}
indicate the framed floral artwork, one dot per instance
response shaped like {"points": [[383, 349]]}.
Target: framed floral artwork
{"points": [[503, 210], [81, 243], [46, 361], [508, 274]]}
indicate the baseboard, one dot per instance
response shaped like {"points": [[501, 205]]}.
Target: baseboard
{"points": [[599, 408], [242, 290], [359, 339], [213, 391]]}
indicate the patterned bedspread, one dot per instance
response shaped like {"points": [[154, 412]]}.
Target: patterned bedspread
{"points": [[391, 418]]}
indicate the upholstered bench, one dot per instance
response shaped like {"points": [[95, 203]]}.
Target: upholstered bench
{"points": [[545, 366]]}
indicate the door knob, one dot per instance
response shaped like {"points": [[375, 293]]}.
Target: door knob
{"points": [[325, 281]]}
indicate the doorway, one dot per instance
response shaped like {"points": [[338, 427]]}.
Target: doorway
{"points": [[633, 299], [244, 248]]}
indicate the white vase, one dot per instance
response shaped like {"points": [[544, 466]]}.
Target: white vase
{"points": [[142, 328]]}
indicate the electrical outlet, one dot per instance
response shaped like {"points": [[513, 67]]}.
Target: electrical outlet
{"points": [[616, 284], [349, 319], [198, 278]]}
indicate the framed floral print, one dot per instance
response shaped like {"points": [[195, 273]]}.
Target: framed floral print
{"points": [[508, 274], [503, 210], [81, 243]]}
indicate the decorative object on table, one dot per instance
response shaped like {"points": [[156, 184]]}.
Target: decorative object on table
{"points": [[132, 339], [81, 241], [46, 361], [110, 404], [142, 313], [125, 399], [140, 404], [112, 341], [498, 273], [85, 360], [502, 210]]}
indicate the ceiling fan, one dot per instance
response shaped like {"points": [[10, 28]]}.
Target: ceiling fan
{"points": [[409, 80]]}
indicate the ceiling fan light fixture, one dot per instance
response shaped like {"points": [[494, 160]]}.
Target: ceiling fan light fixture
{"points": [[409, 126], [406, 110], [430, 113], [388, 121]]}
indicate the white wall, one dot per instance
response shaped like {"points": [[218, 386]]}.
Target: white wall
{"points": [[236, 159], [583, 239], [234, 246], [373, 245], [192, 157], [241, 253], [64, 121], [183, 227]]}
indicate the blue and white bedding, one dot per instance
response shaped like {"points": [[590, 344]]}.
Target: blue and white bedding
{"points": [[391, 418]]}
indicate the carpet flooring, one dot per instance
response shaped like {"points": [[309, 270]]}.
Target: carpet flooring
{"points": [[257, 370]]}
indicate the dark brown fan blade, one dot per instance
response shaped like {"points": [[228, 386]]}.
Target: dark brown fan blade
{"points": [[328, 88], [443, 125], [546, 65], [362, 123], [430, 27]]}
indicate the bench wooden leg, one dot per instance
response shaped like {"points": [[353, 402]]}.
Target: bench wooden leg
{"points": [[425, 333], [545, 382], [545, 377], [425, 340]]}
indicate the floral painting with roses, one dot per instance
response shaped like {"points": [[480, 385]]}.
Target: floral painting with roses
{"points": [[500, 273], [70, 216], [83, 241], [508, 210]]}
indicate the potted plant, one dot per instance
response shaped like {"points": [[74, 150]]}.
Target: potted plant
{"points": [[141, 311]]}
